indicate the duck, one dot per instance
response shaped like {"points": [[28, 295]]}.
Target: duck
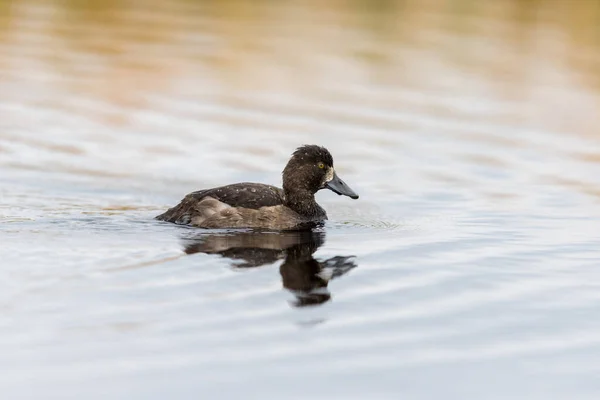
{"points": [[262, 206]]}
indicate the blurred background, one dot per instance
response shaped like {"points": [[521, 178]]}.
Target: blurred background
{"points": [[467, 269]]}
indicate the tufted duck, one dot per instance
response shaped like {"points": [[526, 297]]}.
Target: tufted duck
{"points": [[256, 205]]}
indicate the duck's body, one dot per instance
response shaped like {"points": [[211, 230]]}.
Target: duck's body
{"points": [[240, 205], [256, 205]]}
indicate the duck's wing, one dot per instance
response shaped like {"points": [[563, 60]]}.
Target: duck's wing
{"points": [[246, 195]]}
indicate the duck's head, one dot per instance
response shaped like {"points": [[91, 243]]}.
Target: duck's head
{"points": [[311, 169]]}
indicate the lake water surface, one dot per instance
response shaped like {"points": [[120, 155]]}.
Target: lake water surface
{"points": [[468, 269]]}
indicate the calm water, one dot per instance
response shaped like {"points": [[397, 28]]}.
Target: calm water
{"points": [[469, 268]]}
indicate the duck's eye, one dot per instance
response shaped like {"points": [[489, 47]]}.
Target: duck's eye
{"points": [[321, 165]]}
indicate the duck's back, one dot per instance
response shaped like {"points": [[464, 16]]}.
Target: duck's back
{"points": [[237, 205]]}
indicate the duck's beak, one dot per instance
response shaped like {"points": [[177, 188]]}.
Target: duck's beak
{"points": [[339, 186]]}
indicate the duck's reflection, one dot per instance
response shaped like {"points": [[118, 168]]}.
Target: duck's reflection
{"points": [[302, 274]]}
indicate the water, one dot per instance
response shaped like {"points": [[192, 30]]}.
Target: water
{"points": [[467, 269]]}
